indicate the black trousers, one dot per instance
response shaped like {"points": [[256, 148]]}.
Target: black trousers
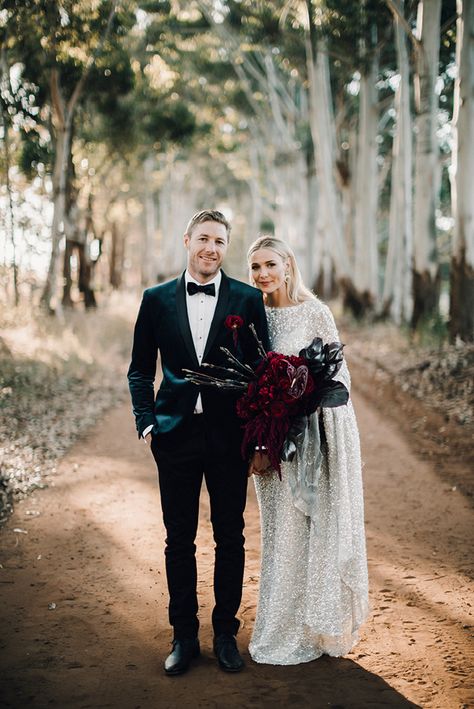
{"points": [[181, 468]]}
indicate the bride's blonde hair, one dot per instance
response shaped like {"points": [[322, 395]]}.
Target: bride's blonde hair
{"points": [[297, 291]]}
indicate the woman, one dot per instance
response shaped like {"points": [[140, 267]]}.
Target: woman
{"points": [[313, 585]]}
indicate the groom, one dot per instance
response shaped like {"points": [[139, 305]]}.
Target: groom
{"points": [[195, 432]]}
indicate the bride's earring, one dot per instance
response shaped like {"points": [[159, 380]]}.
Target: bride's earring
{"points": [[287, 277]]}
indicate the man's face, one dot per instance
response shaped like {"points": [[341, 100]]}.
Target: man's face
{"points": [[206, 248]]}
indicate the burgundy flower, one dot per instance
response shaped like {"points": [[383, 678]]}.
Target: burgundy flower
{"points": [[278, 409], [279, 392], [234, 323]]}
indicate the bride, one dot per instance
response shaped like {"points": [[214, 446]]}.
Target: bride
{"points": [[313, 594]]}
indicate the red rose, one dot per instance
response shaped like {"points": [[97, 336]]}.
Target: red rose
{"points": [[234, 323], [264, 392], [278, 409], [274, 393], [252, 389]]}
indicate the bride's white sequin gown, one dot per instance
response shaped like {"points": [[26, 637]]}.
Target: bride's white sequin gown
{"points": [[313, 586]]}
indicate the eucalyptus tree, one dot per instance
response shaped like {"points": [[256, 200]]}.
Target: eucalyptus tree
{"points": [[462, 262], [327, 44], [6, 99], [425, 39], [58, 46], [397, 288], [426, 275], [251, 117]]}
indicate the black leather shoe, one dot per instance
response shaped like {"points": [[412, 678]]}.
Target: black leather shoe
{"points": [[179, 659], [228, 656]]}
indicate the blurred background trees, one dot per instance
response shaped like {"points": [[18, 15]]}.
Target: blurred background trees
{"points": [[344, 127]]}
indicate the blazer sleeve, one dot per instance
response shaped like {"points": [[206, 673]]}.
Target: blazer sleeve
{"points": [[142, 370]]}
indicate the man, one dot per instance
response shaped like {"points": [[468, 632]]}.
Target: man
{"points": [[195, 433]]}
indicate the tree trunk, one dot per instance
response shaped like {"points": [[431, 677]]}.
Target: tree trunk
{"points": [[63, 116], [397, 293], [291, 204], [462, 179], [5, 80], [176, 203], [63, 144], [148, 269], [116, 257], [426, 278], [255, 218], [67, 275], [313, 238], [85, 276], [365, 290], [57, 226], [324, 140]]}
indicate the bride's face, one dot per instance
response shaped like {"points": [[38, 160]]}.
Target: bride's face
{"points": [[268, 271]]}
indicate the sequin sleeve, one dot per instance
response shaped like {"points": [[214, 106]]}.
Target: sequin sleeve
{"points": [[324, 326]]}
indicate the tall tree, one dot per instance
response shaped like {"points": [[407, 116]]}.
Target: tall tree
{"points": [[397, 294], [365, 291], [58, 46], [462, 261], [426, 277]]}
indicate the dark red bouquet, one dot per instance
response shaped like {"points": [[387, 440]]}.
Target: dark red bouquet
{"points": [[280, 393]]}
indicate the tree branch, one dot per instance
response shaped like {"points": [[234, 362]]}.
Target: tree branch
{"points": [[90, 62], [56, 97], [398, 15]]}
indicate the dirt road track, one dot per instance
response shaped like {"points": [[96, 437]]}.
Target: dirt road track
{"points": [[92, 545]]}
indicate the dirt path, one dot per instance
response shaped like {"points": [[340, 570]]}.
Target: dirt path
{"points": [[92, 545]]}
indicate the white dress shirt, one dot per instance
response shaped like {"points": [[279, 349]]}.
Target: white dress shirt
{"points": [[201, 308]]}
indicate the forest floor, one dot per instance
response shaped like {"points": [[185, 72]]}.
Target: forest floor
{"points": [[83, 615]]}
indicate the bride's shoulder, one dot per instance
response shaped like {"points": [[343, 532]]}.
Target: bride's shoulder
{"points": [[322, 319], [316, 306]]}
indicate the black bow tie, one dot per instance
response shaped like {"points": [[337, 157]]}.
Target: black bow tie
{"points": [[193, 288]]}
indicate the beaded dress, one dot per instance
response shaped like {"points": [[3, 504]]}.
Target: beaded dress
{"points": [[313, 594]]}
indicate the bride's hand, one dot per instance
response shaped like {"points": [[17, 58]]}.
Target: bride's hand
{"points": [[260, 464]]}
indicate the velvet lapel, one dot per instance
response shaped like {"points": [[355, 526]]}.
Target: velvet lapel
{"points": [[183, 320], [219, 314]]}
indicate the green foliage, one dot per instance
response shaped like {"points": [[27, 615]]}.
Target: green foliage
{"points": [[170, 122], [33, 152]]}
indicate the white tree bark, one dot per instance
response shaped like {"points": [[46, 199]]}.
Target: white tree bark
{"points": [[426, 160], [313, 237], [462, 179], [148, 244], [5, 89], [176, 205], [255, 217], [324, 140], [62, 121], [366, 192], [291, 205], [397, 292]]}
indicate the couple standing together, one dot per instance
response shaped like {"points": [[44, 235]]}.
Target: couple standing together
{"points": [[313, 584]]}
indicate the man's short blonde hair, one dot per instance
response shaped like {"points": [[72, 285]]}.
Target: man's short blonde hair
{"points": [[208, 215]]}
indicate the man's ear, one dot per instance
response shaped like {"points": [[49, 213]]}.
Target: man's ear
{"points": [[186, 241]]}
